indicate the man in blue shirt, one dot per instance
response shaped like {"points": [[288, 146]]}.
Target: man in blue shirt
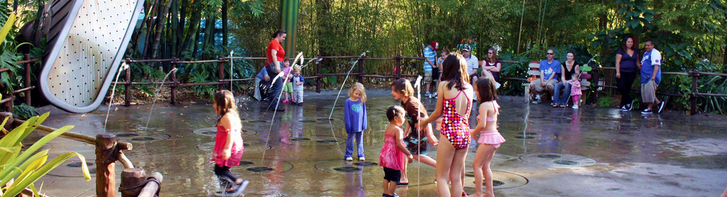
{"points": [[549, 70], [430, 53], [650, 77]]}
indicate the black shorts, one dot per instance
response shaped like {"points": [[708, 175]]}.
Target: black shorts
{"points": [[392, 175], [435, 74]]}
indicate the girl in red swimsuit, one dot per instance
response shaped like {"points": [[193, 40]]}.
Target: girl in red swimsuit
{"points": [[454, 102]]}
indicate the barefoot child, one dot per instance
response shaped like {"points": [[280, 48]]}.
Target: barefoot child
{"points": [[356, 120], [490, 139], [402, 90], [228, 144], [393, 155]]}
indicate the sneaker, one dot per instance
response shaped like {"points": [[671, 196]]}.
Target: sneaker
{"points": [[239, 188], [661, 106], [427, 94], [575, 106], [623, 108], [631, 106], [395, 195], [285, 101], [646, 111], [537, 97], [349, 158], [300, 104], [362, 159]]}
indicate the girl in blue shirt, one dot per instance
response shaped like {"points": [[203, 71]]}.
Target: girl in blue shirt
{"points": [[354, 117]]}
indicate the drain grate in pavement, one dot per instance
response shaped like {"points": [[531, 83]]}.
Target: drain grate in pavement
{"points": [[566, 162], [365, 163], [549, 156], [260, 169], [347, 169]]}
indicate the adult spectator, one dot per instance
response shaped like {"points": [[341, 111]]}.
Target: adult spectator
{"points": [[650, 77], [276, 56], [261, 78], [549, 70], [472, 62], [560, 98], [491, 66], [627, 65], [430, 58]]}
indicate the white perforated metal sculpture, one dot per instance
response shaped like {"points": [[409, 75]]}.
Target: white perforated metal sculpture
{"points": [[86, 42]]}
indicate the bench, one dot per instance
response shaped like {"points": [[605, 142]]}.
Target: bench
{"points": [[534, 72]]}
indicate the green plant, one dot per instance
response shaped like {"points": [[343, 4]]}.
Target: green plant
{"points": [[605, 102], [24, 111], [27, 166]]}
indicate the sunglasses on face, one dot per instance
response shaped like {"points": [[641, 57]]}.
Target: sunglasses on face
{"points": [[549, 53]]}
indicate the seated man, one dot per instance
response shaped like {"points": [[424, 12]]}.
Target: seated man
{"points": [[265, 79], [549, 69]]}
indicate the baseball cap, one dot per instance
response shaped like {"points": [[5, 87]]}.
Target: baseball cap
{"points": [[435, 45], [466, 47]]}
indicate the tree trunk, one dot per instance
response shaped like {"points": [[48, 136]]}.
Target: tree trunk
{"points": [[150, 28], [192, 34], [209, 31], [160, 27], [175, 27], [224, 24], [181, 25]]}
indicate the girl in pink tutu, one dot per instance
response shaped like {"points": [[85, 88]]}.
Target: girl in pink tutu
{"points": [[228, 144], [490, 139], [394, 153]]}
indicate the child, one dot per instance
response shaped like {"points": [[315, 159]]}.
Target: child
{"points": [[393, 155], [437, 74], [288, 87], [298, 82], [261, 80], [402, 90], [354, 117], [575, 92], [490, 139], [228, 143]]}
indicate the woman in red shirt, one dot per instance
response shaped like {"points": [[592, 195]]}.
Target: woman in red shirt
{"points": [[276, 55]]}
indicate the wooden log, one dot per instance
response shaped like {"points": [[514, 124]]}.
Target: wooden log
{"points": [[152, 187], [105, 165], [131, 180]]}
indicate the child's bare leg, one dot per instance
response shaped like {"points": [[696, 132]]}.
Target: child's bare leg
{"points": [[490, 190], [404, 174], [458, 166], [386, 186], [426, 160], [392, 188]]}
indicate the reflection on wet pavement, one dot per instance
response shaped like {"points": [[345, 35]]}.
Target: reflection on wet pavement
{"points": [[586, 152]]}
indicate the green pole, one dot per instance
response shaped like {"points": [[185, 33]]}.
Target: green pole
{"points": [[289, 23]]}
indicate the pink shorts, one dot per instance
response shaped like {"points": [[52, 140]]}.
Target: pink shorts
{"points": [[492, 138]]}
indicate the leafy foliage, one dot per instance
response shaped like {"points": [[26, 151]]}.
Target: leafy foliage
{"points": [[29, 165]]}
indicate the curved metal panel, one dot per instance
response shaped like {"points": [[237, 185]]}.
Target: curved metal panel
{"points": [[83, 60]]}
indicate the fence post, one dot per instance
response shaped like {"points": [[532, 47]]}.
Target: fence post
{"points": [[131, 182], [693, 99], [127, 91], [318, 72], [106, 156], [27, 79], [397, 66], [174, 82], [361, 70], [220, 72]]}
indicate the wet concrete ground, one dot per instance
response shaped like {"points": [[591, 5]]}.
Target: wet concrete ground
{"points": [[563, 152]]}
